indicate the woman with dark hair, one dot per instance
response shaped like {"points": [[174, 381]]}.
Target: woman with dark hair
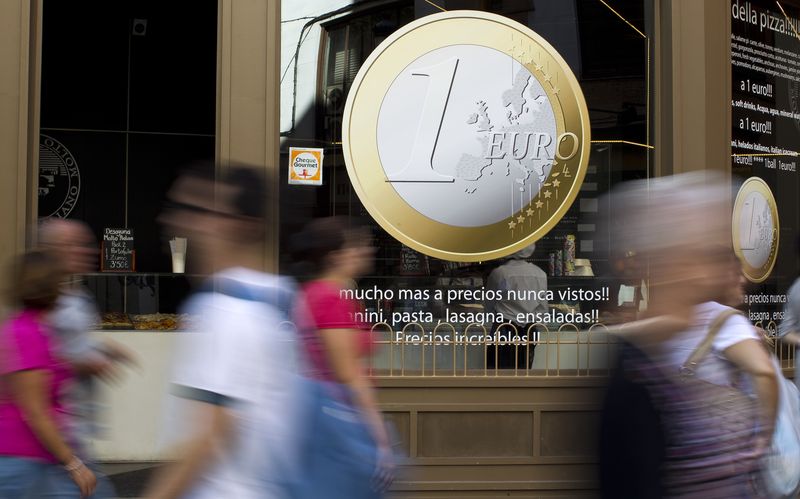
{"points": [[332, 253], [33, 443]]}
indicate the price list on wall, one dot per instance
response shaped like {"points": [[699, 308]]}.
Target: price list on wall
{"points": [[118, 253], [765, 140]]}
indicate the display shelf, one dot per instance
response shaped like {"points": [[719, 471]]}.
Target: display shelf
{"points": [[140, 301]]}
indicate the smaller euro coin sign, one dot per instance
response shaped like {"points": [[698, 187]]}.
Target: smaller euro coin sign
{"points": [[466, 136], [756, 229]]}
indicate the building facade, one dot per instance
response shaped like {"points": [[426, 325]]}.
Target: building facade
{"points": [[102, 106]]}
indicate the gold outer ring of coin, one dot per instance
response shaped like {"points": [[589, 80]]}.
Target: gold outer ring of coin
{"points": [[359, 135], [755, 185]]}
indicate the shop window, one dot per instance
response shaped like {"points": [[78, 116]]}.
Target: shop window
{"points": [[611, 55], [129, 97]]}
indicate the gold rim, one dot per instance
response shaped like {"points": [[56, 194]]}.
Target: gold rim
{"points": [[360, 147]]}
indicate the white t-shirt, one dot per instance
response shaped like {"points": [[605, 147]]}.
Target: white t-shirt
{"points": [[243, 358], [517, 275], [714, 368]]}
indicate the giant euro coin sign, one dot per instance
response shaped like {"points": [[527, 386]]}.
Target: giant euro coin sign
{"points": [[466, 136]]}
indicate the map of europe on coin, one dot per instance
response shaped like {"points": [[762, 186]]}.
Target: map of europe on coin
{"points": [[496, 139]]}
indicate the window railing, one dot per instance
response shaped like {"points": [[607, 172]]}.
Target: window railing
{"points": [[474, 350]]}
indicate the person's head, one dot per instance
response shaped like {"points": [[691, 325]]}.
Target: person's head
{"points": [[217, 214], [524, 253], [74, 242], [680, 226], [36, 278], [332, 245], [733, 291]]}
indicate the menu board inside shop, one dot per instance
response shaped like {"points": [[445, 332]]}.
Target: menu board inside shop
{"points": [[118, 251], [765, 140]]}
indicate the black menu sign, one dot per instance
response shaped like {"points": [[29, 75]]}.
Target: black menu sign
{"points": [[765, 141], [118, 252]]}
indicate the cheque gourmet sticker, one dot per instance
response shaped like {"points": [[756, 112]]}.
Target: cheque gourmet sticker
{"points": [[305, 166], [466, 136], [756, 229]]}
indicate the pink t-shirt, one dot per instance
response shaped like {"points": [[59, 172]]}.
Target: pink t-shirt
{"points": [[25, 344], [328, 310]]}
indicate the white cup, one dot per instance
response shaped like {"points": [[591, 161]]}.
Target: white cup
{"points": [[178, 262]]}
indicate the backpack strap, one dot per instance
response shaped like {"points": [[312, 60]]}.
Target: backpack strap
{"points": [[278, 297], [704, 347]]}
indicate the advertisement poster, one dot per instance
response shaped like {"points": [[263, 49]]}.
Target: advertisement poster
{"points": [[765, 59]]}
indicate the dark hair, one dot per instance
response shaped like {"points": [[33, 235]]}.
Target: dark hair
{"points": [[36, 278], [319, 238], [251, 186]]}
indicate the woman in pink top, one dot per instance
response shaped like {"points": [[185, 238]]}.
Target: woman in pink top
{"points": [[32, 380], [335, 253]]}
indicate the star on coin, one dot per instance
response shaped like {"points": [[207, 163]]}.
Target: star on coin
{"points": [[529, 212], [555, 90], [512, 224], [520, 219], [547, 194], [539, 204], [547, 78], [538, 66], [556, 183]]}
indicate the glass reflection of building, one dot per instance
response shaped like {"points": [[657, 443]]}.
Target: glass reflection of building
{"points": [[607, 50]]}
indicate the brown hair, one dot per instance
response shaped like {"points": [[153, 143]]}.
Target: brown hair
{"points": [[311, 247], [35, 279]]}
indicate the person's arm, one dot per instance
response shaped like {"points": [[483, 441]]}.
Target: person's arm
{"points": [[751, 357], [29, 389], [214, 423], [341, 346], [792, 338]]}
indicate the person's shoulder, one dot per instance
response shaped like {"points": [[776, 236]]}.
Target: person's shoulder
{"points": [[794, 291], [538, 270], [25, 323], [710, 311], [252, 285], [734, 329], [320, 290], [254, 277]]}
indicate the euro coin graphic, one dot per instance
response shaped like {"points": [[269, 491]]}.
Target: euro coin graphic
{"points": [[756, 229], [466, 136]]}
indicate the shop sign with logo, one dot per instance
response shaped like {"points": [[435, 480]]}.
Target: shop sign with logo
{"points": [[59, 179], [466, 136], [305, 166]]}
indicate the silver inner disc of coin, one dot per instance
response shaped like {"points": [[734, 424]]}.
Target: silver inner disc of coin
{"points": [[463, 127], [756, 230]]}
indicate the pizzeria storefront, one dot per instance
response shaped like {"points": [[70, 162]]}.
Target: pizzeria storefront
{"points": [[461, 132]]}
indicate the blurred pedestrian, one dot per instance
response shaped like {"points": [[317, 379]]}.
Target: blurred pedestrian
{"points": [[519, 275], [678, 420], [34, 429], [333, 253], [72, 318], [789, 327], [233, 384]]}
